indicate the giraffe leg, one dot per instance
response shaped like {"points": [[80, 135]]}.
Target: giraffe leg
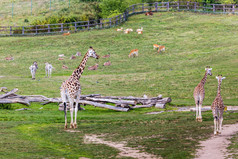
{"points": [[72, 114], [200, 113], [63, 97], [65, 115], [215, 125], [196, 112], [76, 108]]}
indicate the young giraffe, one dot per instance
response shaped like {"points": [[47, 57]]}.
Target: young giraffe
{"points": [[199, 93], [218, 107], [70, 89]]}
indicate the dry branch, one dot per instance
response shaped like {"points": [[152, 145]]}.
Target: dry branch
{"points": [[111, 101]]}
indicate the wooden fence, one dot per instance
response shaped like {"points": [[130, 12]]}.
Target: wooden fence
{"points": [[111, 22]]}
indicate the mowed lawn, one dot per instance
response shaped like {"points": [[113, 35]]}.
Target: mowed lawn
{"points": [[192, 42]]}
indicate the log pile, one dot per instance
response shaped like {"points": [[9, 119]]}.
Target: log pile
{"points": [[118, 103]]}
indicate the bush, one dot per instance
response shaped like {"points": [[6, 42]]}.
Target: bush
{"points": [[109, 7]]}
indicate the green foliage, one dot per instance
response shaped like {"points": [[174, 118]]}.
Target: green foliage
{"points": [[109, 7], [5, 106]]}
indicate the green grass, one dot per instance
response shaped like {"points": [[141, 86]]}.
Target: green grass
{"points": [[39, 133], [192, 42]]}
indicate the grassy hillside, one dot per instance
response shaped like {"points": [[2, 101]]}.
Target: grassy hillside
{"points": [[41, 9], [192, 42]]}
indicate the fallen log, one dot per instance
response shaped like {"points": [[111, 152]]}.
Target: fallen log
{"points": [[119, 102], [130, 97], [15, 100], [143, 106], [9, 93], [101, 105]]}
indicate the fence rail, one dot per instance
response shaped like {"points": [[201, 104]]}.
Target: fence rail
{"points": [[111, 22]]}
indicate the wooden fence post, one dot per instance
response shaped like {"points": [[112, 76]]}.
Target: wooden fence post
{"points": [[214, 9], [120, 19], [88, 25], [195, 6], [110, 22], [143, 8], [188, 5], [62, 28], [178, 5], [10, 30], [133, 8], [233, 8], [116, 20], [23, 30], [223, 6], [75, 26], [36, 30], [156, 6], [167, 6], [48, 28]]}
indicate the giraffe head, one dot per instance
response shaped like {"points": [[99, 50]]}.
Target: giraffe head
{"points": [[220, 78], [92, 53], [208, 70]]}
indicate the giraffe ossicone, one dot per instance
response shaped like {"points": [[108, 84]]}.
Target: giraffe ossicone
{"points": [[70, 89]]}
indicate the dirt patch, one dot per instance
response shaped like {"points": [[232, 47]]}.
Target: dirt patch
{"points": [[124, 151], [2, 76], [72, 130], [215, 147]]}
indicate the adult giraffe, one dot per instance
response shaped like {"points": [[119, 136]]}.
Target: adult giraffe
{"points": [[70, 89]]}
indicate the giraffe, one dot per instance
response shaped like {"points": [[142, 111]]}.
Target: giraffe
{"points": [[33, 69], [199, 93], [70, 89], [218, 107]]}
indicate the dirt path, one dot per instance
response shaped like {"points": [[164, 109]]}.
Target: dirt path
{"points": [[215, 147], [124, 151]]}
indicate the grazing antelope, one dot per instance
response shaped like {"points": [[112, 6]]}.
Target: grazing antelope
{"points": [[66, 34], [78, 54], [61, 55], [133, 53], [126, 31], [95, 67], [72, 57], [120, 29], [106, 56], [9, 58], [218, 107], [71, 90], [139, 30], [33, 69], [64, 67], [107, 63], [161, 48], [60, 58], [155, 46], [48, 69], [149, 13]]}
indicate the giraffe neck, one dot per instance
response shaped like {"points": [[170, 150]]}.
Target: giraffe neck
{"points": [[79, 70], [203, 81], [219, 88]]}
